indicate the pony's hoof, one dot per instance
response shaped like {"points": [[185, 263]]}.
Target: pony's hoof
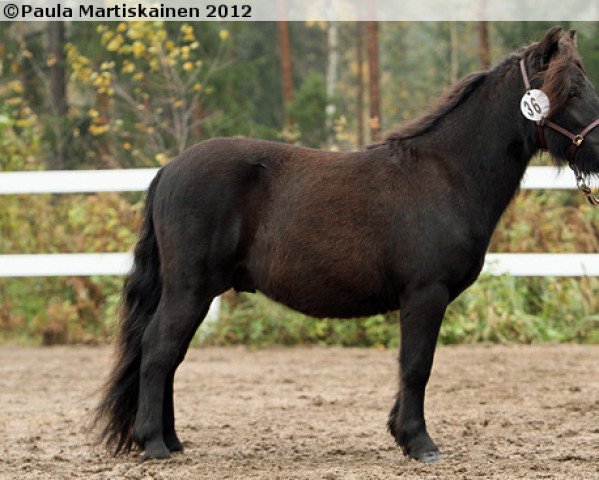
{"points": [[157, 452], [174, 445], [427, 457], [422, 449]]}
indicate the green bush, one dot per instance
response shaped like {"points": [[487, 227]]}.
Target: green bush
{"points": [[525, 310]]}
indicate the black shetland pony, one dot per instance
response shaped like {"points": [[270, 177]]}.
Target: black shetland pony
{"points": [[404, 224]]}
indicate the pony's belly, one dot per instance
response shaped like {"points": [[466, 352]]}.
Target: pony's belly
{"points": [[333, 307], [320, 297]]}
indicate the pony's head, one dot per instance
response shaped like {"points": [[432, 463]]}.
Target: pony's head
{"points": [[555, 67]]}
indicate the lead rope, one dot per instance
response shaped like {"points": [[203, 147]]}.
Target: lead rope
{"points": [[581, 184], [577, 140]]}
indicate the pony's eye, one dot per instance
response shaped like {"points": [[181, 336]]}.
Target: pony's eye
{"points": [[573, 93]]}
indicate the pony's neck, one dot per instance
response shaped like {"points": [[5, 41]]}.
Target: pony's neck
{"points": [[487, 139]]}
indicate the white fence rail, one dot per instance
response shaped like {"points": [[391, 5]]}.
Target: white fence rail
{"points": [[77, 181], [138, 179], [87, 264], [83, 264]]}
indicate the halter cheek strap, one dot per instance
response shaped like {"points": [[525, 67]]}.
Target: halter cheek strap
{"points": [[577, 140], [538, 125]]}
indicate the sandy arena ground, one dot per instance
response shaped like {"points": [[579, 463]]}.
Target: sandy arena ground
{"points": [[495, 412]]}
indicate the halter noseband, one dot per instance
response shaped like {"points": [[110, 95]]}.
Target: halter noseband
{"points": [[577, 140]]}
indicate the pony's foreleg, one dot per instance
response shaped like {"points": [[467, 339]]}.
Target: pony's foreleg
{"points": [[162, 344], [168, 414], [420, 317]]}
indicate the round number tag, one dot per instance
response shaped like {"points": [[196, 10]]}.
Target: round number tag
{"points": [[535, 105]]}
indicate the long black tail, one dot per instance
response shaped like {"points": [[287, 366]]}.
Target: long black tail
{"points": [[115, 414]]}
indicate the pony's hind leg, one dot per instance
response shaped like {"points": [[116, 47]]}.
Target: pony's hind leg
{"points": [[163, 342], [420, 316], [168, 413]]}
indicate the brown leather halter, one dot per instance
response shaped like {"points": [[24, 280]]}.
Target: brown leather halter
{"points": [[577, 140]]}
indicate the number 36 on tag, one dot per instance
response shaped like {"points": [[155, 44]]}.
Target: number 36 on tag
{"points": [[535, 105]]}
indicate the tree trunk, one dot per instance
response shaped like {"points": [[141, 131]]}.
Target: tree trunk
{"points": [[454, 63], [374, 81], [483, 45], [58, 93], [197, 120], [360, 99], [286, 68], [332, 68]]}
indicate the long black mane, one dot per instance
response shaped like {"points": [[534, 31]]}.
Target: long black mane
{"points": [[456, 95]]}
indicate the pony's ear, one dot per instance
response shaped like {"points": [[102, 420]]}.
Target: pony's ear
{"points": [[572, 37], [550, 44]]}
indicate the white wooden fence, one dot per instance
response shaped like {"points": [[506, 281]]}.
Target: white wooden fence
{"points": [[86, 181]]}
